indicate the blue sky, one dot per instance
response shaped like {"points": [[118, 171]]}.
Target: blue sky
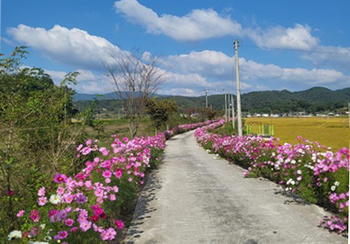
{"points": [[284, 44]]}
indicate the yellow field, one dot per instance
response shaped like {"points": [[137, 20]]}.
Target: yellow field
{"points": [[332, 132]]}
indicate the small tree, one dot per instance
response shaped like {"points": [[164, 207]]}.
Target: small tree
{"points": [[160, 111], [135, 79]]}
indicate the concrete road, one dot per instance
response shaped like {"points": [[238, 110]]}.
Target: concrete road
{"points": [[194, 198]]}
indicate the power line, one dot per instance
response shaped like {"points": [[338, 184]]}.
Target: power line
{"points": [[294, 50]]}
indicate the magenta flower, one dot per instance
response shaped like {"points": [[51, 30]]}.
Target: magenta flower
{"points": [[94, 218], [74, 229], [60, 178], [35, 216], [119, 224], [69, 222], [107, 174], [96, 206], [61, 235], [118, 173], [98, 211]]}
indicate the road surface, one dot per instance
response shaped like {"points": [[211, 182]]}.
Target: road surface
{"points": [[195, 198]]}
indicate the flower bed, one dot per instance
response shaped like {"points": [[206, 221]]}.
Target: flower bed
{"points": [[306, 169], [88, 205]]}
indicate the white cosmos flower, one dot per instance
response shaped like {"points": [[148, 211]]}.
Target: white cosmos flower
{"points": [[337, 183], [15, 234], [55, 199], [333, 188]]}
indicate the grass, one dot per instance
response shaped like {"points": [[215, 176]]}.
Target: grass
{"points": [[332, 132]]}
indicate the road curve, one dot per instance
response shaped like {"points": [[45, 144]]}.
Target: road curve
{"points": [[195, 198]]}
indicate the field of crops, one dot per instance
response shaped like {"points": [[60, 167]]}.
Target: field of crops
{"points": [[332, 132]]}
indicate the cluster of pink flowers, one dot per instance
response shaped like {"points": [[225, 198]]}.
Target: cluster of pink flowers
{"points": [[79, 204], [303, 166]]}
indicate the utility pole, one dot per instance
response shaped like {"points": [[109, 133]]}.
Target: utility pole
{"points": [[206, 98], [239, 113], [349, 116], [225, 106], [233, 112]]}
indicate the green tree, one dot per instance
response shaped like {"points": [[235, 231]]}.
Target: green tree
{"points": [[37, 136], [160, 111]]}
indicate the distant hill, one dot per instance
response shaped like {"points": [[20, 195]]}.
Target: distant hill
{"points": [[312, 100], [107, 96]]}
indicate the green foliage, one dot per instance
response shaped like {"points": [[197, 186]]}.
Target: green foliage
{"points": [[316, 99], [38, 138], [160, 111]]}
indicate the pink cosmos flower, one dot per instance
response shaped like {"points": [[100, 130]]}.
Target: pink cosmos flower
{"points": [[74, 229], [85, 225], [60, 178], [86, 150], [42, 201], [98, 211], [118, 173], [112, 197], [80, 198], [69, 222], [41, 192], [99, 200], [119, 224], [20, 213], [69, 198], [107, 174], [61, 235], [130, 179], [97, 228], [108, 234], [108, 180], [94, 218], [60, 190], [79, 147], [98, 192], [104, 151]]}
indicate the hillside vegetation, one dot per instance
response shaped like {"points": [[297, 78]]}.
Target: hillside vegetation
{"points": [[313, 100]]}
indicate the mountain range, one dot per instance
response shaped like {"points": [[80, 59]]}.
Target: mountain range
{"points": [[311, 100]]}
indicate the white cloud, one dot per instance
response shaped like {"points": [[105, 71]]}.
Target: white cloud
{"points": [[87, 81], [181, 91], [314, 76], [202, 24], [218, 70], [68, 46], [197, 25], [217, 65], [297, 38], [328, 56]]}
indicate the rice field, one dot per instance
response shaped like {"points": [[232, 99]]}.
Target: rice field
{"points": [[332, 132]]}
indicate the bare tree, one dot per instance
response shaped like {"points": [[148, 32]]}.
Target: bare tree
{"points": [[136, 78]]}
